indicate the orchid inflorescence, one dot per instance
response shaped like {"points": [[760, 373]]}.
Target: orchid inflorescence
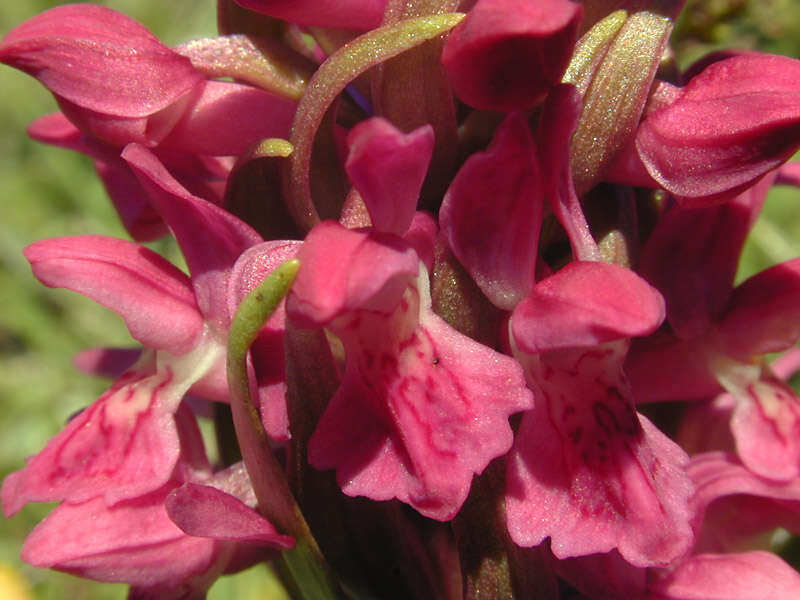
{"points": [[440, 255]]}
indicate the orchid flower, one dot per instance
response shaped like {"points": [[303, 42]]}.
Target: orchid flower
{"points": [[411, 419], [118, 84], [119, 458], [716, 338]]}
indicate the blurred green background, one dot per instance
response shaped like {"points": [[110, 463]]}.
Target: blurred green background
{"points": [[46, 192]]}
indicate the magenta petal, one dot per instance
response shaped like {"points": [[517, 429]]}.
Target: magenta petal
{"points": [[388, 167], [590, 473], [507, 54], [227, 118], [492, 213], [153, 296], [662, 367], [343, 270], [210, 238], [766, 427], [763, 315], [124, 445], [735, 121], [344, 14], [742, 576], [419, 412], [789, 174], [727, 492], [558, 122], [584, 304], [205, 511], [100, 60], [692, 255], [717, 475], [132, 542]]}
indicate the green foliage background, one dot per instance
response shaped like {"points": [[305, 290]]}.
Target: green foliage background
{"points": [[47, 192]]}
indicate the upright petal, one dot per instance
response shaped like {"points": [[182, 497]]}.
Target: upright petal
{"points": [[342, 270], [692, 254], [388, 167], [492, 213], [764, 312]]}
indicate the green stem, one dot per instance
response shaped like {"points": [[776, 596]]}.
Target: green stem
{"points": [[306, 573]]}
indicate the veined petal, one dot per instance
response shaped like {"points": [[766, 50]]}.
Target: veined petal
{"points": [[420, 411], [124, 445], [100, 60], [766, 427], [589, 472], [585, 304], [344, 14], [388, 167], [507, 54], [152, 295], [492, 213]]}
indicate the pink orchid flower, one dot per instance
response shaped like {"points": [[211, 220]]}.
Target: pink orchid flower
{"points": [[116, 84], [586, 470], [715, 338], [412, 419], [126, 444]]}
